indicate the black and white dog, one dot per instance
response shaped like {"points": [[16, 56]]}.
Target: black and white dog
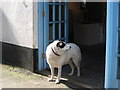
{"points": [[59, 53]]}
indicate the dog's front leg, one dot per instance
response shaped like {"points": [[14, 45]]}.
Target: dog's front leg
{"points": [[59, 75], [52, 74]]}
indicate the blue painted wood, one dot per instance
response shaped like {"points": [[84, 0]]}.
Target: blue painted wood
{"points": [[53, 23], [119, 84], [60, 20], [46, 29], [118, 47], [111, 46], [40, 35], [57, 3], [67, 29]]}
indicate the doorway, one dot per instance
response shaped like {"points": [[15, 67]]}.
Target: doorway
{"points": [[87, 28]]}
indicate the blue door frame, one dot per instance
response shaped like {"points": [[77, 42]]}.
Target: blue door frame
{"points": [[111, 69], [40, 35], [44, 28]]}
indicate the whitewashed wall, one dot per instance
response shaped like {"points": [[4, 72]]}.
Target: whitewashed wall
{"points": [[18, 25]]}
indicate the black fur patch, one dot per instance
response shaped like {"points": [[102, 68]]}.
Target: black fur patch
{"points": [[61, 44]]}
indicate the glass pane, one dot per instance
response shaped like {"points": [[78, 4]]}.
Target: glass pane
{"points": [[62, 30], [62, 12], [118, 76], [50, 31], [50, 12], [57, 12], [56, 31]]}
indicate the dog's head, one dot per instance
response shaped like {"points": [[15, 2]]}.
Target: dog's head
{"points": [[60, 47]]}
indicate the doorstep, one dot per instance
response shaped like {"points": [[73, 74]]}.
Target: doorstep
{"points": [[70, 80]]}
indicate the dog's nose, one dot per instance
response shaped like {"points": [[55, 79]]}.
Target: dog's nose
{"points": [[70, 47]]}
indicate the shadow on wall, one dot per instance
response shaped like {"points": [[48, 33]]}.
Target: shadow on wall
{"points": [[11, 53], [7, 30], [7, 36]]}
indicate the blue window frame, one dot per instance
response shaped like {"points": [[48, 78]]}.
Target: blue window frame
{"points": [[40, 35], [58, 21], [112, 46], [52, 25]]}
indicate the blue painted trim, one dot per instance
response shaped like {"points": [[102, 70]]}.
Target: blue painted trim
{"points": [[118, 55], [67, 21], [58, 39], [51, 22], [59, 20], [46, 29], [119, 84], [111, 46], [57, 3], [40, 35]]}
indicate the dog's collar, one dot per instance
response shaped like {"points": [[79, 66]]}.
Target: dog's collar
{"points": [[55, 52]]}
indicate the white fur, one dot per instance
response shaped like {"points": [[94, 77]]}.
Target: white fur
{"points": [[68, 55]]}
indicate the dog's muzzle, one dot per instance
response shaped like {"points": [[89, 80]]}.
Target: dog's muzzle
{"points": [[69, 48]]}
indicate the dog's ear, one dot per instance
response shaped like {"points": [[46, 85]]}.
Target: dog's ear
{"points": [[61, 44]]}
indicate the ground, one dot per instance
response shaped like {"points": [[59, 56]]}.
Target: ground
{"points": [[92, 73], [13, 77]]}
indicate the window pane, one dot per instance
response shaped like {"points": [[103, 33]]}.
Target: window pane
{"points": [[62, 30], [62, 12], [56, 31], [50, 31], [118, 75], [50, 12], [57, 12]]}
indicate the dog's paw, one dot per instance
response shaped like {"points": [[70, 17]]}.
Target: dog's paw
{"points": [[78, 75], [50, 79], [70, 74], [57, 81]]}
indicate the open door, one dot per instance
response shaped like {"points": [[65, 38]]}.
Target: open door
{"points": [[112, 72], [54, 26]]}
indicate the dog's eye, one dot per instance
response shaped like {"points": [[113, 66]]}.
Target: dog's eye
{"points": [[61, 44]]}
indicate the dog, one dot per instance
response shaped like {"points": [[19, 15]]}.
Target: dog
{"points": [[58, 53]]}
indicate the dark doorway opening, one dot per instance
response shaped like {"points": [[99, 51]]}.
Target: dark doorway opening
{"points": [[87, 28]]}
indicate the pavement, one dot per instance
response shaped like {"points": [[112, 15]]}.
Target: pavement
{"points": [[15, 77]]}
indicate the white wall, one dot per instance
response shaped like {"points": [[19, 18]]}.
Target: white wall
{"points": [[35, 24], [0, 24], [17, 23]]}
